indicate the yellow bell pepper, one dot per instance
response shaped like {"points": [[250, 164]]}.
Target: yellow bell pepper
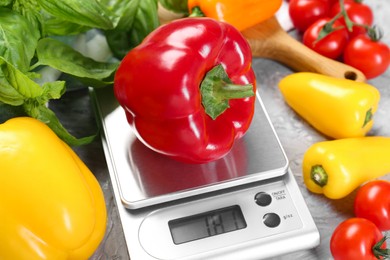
{"points": [[337, 167], [338, 108], [51, 205], [240, 14]]}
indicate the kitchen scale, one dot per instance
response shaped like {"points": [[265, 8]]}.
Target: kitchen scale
{"points": [[246, 205]]}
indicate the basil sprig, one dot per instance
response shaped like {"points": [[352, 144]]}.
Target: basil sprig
{"points": [[33, 35]]}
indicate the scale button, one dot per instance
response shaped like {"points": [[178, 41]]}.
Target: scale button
{"points": [[271, 220], [263, 199]]}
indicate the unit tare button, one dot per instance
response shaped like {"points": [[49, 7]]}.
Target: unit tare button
{"points": [[271, 220], [263, 199]]}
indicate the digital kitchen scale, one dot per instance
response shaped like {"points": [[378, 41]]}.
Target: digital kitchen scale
{"points": [[246, 205]]}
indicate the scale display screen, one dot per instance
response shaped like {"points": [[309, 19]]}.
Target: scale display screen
{"points": [[207, 224]]}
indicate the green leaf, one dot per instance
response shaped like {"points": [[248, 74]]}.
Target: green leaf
{"points": [[177, 6], [58, 26], [18, 39], [15, 86], [52, 90], [86, 12], [44, 114], [64, 58], [138, 19], [5, 2], [125, 10]]}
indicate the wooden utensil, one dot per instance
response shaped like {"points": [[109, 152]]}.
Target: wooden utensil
{"points": [[268, 40]]}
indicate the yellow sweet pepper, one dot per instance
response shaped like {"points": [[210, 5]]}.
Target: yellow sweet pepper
{"points": [[337, 167], [240, 14], [338, 108], [51, 205]]}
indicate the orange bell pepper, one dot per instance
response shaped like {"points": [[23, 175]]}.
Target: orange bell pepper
{"points": [[240, 14]]}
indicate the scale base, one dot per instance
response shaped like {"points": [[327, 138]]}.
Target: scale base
{"points": [[301, 234]]}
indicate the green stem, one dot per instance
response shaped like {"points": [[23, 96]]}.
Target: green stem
{"points": [[375, 33], [328, 27], [34, 66], [347, 20], [217, 89], [225, 90], [368, 117], [319, 175], [381, 253], [196, 12]]}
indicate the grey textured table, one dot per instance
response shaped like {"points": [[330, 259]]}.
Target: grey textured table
{"points": [[76, 112]]}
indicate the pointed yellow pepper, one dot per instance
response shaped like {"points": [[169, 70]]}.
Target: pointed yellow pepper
{"points": [[338, 108], [51, 205], [337, 167]]}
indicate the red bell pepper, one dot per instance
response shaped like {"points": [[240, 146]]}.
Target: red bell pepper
{"points": [[188, 89]]}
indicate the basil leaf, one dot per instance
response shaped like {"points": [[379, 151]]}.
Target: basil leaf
{"points": [[15, 86], [64, 58], [28, 98], [18, 39], [44, 114], [5, 2], [58, 26], [126, 10], [52, 90], [177, 6], [87, 12], [138, 19]]}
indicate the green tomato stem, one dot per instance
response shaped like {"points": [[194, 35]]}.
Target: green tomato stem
{"points": [[381, 253]]}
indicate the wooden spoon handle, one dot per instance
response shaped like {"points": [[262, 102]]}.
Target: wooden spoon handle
{"points": [[269, 40]]}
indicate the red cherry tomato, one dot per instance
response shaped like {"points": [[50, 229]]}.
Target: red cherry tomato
{"points": [[370, 57], [303, 13], [355, 238], [332, 2], [372, 202], [332, 45], [359, 13]]}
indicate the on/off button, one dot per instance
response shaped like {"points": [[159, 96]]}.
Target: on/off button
{"points": [[263, 199]]}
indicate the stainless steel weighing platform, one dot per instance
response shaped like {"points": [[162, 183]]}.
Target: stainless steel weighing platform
{"points": [[246, 205]]}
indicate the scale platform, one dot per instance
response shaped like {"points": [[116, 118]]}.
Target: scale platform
{"points": [[246, 205]]}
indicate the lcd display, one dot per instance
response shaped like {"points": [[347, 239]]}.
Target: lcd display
{"points": [[207, 224]]}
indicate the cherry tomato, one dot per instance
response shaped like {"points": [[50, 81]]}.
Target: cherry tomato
{"points": [[332, 2], [369, 56], [355, 238], [372, 202], [332, 45], [358, 13], [303, 13]]}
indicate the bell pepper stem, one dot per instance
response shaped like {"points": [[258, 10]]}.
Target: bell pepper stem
{"points": [[319, 175], [196, 12], [368, 117], [217, 89], [232, 91]]}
